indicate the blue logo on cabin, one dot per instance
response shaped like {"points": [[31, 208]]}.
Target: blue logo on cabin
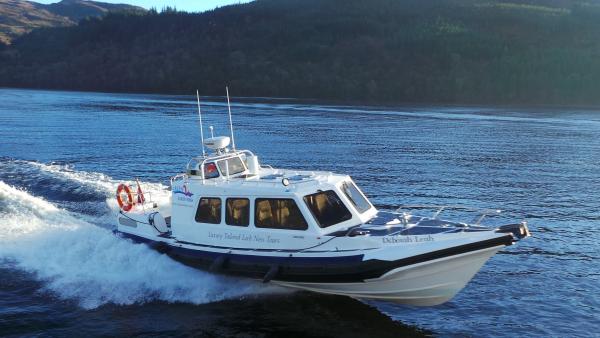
{"points": [[184, 191]]}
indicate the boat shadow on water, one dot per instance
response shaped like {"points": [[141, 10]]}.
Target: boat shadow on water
{"points": [[298, 314], [31, 311]]}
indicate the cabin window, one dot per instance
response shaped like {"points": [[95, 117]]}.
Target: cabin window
{"points": [[358, 200], [191, 167], [237, 212], [210, 170], [234, 164], [327, 208], [209, 210], [278, 213]]}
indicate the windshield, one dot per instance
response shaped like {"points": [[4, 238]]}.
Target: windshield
{"points": [[358, 200], [234, 164], [327, 208]]}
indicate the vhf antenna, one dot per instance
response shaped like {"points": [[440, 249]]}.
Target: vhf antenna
{"points": [[200, 120], [230, 123]]}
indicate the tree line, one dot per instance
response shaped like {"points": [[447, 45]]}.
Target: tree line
{"points": [[524, 52]]}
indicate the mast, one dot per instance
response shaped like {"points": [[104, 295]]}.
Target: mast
{"points": [[200, 121], [230, 123]]}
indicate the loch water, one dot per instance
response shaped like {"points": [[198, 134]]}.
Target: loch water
{"points": [[63, 273]]}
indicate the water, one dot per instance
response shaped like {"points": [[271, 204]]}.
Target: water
{"points": [[63, 273]]}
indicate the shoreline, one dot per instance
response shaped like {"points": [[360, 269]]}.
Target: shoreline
{"points": [[337, 102]]}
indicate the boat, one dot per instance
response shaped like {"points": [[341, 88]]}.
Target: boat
{"points": [[308, 230]]}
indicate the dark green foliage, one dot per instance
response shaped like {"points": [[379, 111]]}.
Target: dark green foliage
{"points": [[545, 52]]}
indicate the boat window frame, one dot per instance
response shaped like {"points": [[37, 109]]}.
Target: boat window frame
{"points": [[227, 165], [352, 201], [255, 215], [249, 211], [204, 168], [220, 213], [347, 217]]}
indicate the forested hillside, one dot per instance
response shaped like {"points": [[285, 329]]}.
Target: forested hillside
{"points": [[527, 52], [18, 17]]}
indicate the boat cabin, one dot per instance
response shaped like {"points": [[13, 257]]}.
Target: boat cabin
{"points": [[229, 197]]}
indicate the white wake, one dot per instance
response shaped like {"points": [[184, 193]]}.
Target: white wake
{"points": [[82, 261]]}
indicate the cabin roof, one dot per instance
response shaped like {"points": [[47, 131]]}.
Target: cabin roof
{"points": [[272, 181], [266, 180]]}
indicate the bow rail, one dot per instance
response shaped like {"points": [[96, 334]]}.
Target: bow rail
{"points": [[439, 209]]}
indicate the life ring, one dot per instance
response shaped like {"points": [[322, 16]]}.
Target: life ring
{"points": [[128, 204]]}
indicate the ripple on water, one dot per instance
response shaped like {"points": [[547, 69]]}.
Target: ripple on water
{"points": [[64, 148]]}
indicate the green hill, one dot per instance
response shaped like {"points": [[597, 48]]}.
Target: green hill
{"points": [[527, 52]]}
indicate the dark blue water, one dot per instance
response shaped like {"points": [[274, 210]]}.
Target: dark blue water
{"points": [[62, 273]]}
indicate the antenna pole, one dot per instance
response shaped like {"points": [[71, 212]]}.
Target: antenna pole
{"points": [[230, 123], [200, 120]]}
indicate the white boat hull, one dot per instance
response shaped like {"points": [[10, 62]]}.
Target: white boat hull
{"points": [[424, 284]]}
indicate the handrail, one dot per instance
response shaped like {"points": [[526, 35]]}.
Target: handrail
{"points": [[482, 213], [147, 196], [178, 177], [203, 159], [277, 182]]}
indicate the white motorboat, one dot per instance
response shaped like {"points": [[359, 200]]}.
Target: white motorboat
{"points": [[310, 230]]}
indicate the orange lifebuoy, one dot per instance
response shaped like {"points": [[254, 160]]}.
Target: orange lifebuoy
{"points": [[120, 192]]}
